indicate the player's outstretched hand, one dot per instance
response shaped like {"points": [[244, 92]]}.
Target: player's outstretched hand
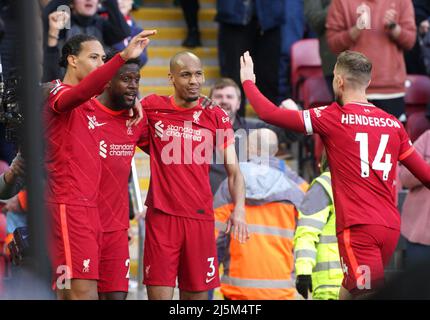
{"points": [[135, 113], [237, 225], [246, 68], [137, 44]]}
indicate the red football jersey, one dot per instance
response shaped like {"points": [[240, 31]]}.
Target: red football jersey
{"points": [[72, 161], [181, 146], [363, 146], [117, 145]]}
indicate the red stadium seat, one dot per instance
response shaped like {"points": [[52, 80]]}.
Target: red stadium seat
{"points": [[417, 93], [417, 124], [305, 62], [316, 93]]}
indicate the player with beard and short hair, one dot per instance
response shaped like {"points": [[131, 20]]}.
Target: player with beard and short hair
{"points": [[184, 131], [117, 145], [363, 145]]}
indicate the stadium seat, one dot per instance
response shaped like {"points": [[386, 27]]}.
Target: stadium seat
{"points": [[305, 62], [316, 93], [417, 124], [417, 93]]}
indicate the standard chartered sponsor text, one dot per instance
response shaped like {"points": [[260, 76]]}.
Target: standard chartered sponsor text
{"points": [[185, 132], [185, 145], [121, 150]]}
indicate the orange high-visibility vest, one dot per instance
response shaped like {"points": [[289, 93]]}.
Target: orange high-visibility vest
{"points": [[261, 268]]}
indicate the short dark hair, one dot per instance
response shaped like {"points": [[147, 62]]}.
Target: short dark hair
{"points": [[112, 52], [73, 46], [224, 83], [357, 66]]}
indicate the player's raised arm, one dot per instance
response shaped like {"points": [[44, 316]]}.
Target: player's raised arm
{"points": [[95, 82], [266, 110]]}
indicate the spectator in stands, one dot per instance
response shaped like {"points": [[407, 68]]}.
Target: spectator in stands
{"points": [[255, 26], [273, 161], [414, 59], [292, 30], [9, 55], [416, 209], [226, 94], [12, 179], [11, 182], [383, 31], [190, 9], [316, 15], [125, 6], [84, 20], [9, 35], [261, 268]]}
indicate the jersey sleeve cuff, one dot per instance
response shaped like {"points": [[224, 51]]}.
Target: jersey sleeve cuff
{"points": [[406, 154]]}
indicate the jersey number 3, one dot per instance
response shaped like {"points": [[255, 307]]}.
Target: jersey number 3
{"points": [[385, 166]]}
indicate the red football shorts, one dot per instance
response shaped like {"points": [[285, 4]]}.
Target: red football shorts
{"points": [[183, 248], [364, 251], [75, 240], [114, 267]]}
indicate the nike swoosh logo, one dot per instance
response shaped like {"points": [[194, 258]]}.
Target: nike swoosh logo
{"points": [[209, 280], [95, 123]]}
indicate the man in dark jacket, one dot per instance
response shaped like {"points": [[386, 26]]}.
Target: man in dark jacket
{"points": [[255, 26]]}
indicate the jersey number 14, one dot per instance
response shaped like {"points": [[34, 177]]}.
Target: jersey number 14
{"points": [[377, 164]]}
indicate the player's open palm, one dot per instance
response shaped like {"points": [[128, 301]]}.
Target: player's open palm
{"points": [[137, 44], [237, 225], [246, 68]]}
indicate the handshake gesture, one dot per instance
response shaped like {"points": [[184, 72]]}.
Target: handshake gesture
{"points": [[246, 68]]}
